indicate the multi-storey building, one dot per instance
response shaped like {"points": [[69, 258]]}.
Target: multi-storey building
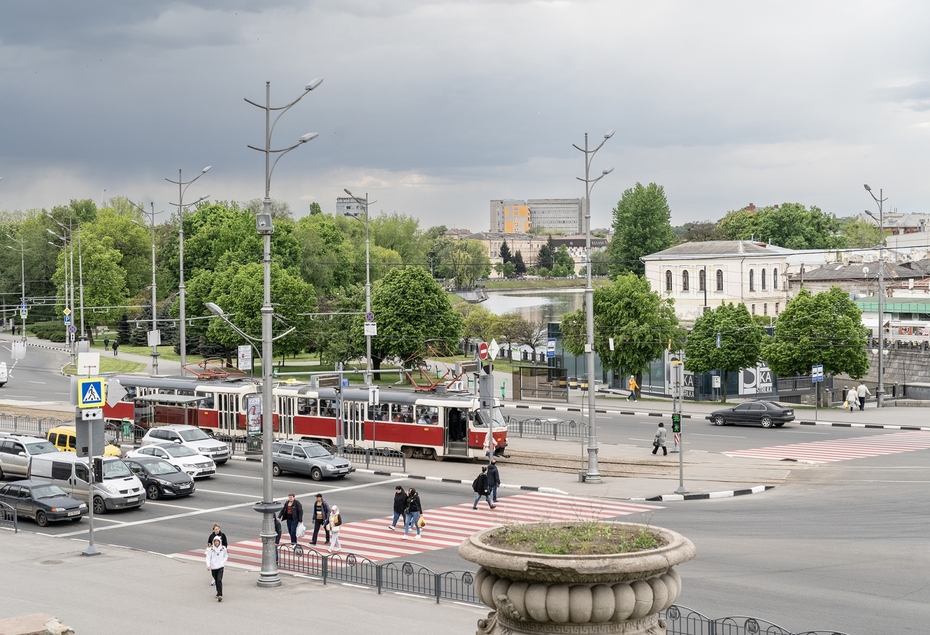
{"points": [[564, 215]]}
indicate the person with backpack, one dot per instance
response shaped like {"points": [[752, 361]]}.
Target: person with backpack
{"points": [[480, 486], [494, 480]]}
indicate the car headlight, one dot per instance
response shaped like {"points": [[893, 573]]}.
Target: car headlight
{"points": [[162, 481], [205, 450], [113, 489], [82, 506], [56, 509], [330, 467]]}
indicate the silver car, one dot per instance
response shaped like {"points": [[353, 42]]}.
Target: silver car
{"points": [[307, 458]]}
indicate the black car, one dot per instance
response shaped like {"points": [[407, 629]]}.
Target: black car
{"points": [[160, 478], [43, 502], [753, 413]]}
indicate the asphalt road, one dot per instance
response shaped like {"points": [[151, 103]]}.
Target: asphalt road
{"points": [[37, 377]]}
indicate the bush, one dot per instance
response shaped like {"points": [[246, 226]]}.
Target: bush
{"points": [[54, 331]]}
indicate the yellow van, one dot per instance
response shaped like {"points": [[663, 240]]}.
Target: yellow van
{"points": [[65, 439]]}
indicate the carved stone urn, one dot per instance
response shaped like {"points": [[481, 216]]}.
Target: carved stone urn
{"points": [[612, 593]]}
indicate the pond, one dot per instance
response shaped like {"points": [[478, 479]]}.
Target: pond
{"points": [[535, 305]]}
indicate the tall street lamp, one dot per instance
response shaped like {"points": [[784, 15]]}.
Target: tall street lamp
{"points": [[22, 266], [368, 314], [268, 507], [593, 475], [182, 187], [155, 335], [880, 390]]}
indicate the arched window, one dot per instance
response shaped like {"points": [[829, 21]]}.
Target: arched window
{"points": [[668, 280], [775, 278], [763, 280], [719, 279], [752, 280], [685, 282], [702, 280]]}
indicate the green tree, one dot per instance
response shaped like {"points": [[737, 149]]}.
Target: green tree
{"points": [[789, 225], [563, 263], [825, 328], [505, 253], [400, 233], [519, 267], [698, 232], [480, 325], [641, 322], [600, 263], [411, 310], [859, 233], [465, 261], [545, 259], [641, 227], [736, 224], [741, 341], [315, 209]]}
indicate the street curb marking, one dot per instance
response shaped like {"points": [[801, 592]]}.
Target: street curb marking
{"points": [[874, 426], [604, 412], [690, 497], [530, 488]]}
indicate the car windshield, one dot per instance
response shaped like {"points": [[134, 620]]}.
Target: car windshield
{"points": [[194, 435], [41, 447], [157, 468], [179, 450], [47, 491], [316, 450], [115, 469]]}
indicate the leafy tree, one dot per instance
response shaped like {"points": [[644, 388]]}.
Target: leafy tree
{"points": [[399, 233], [505, 252], [641, 227], [600, 263], [736, 224], [315, 209], [859, 233], [340, 337], [463, 260], [641, 322], [105, 279], [563, 263], [699, 232], [481, 325], [411, 310], [741, 341], [789, 225], [825, 328], [519, 267], [545, 259]]}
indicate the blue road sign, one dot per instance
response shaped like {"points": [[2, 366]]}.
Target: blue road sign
{"points": [[91, 392], [67, 319]]}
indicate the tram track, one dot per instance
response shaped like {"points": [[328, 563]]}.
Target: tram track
{"points": [[606, 466]]}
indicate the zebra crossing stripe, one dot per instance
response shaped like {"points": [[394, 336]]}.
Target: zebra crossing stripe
{"points": [[842, 449]]}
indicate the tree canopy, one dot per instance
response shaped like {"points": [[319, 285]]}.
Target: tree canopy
{"points": [[642, 226], [789, 225]]}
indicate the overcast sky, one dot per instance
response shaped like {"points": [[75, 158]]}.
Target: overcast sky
{"points": [[434, 108]]}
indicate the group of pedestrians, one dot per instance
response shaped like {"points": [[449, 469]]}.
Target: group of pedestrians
{"points": [[407, 507], [106, 345], [856, 396], [324, 517]]}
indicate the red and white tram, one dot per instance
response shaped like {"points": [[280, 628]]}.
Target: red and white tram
{"points": [[421, 425]]}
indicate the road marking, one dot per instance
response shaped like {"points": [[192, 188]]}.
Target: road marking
{"points": [[277, 479], [172, 506], [842, 449], [38, 382]]}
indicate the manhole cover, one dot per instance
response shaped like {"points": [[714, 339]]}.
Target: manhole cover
{"points": [[51, 562]]}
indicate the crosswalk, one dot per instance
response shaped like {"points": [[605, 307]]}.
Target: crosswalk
{"points": [[842, 449], [445, 527]]}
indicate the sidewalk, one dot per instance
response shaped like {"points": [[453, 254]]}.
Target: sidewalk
{"points": [[124, 590]]}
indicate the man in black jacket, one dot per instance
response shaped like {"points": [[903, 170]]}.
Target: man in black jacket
{"points": [[293, 513], [480, 486], [320, 518], [400, 501], [494, 480]]}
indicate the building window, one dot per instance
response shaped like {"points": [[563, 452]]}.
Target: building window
{"points": [[702, 280], [685, 282], [776, 308], [752, 280], [775, 278], [753, 307], [763, 280], [765, 308], [719, 279], [668, 281]]}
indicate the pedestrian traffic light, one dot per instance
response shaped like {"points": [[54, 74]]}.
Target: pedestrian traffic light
{"points": [[676, 423]]}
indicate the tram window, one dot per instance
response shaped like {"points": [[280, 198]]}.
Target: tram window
{"points": [[383, 411], [186, 393], [427, 415], [130, 393], [479, 420], [208, 402], [328, 407], [306, 406]]}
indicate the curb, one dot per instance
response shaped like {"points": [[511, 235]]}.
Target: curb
{"points": [[438, 479], [604, 412], [691, 497], [874, 426]]}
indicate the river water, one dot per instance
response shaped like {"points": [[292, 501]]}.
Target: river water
{"points": [[535, 305]]}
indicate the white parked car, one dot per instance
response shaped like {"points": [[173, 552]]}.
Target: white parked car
{"points": [[191, 436], [194, 463]]}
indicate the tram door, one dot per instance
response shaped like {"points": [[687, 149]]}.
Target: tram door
{"points": [[227, 405], [354, 417], [285, 410]]}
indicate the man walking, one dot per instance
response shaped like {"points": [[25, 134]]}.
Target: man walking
{"points": [[480, 486], [400, 502], [320, 518], [494, 479], [862, 391], [106, 343], [633, 388]]}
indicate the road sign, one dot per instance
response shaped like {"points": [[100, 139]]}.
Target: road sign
{"points": [[483, 351], [817, 373], [371, 328], [550, 348], [72, 329], [91, 392], [67, 311], [67, 319], [244, 356], [369, 317], [493, 349], [23, 313]]}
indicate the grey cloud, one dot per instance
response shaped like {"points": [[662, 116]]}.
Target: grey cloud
{"points": [[914, 96]]}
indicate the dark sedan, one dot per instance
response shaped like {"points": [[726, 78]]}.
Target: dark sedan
{"points": [[160, 478], [753, 413], [43, 502]]}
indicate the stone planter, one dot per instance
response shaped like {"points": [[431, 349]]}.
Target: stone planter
{"points": [[614, 593]]}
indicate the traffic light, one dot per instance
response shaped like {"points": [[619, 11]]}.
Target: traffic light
{"points": [[98, 469], [676, 422]]}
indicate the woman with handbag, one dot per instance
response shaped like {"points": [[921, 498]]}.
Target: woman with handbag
{"points": [[412, 514], [335, 520], [659, 440]]}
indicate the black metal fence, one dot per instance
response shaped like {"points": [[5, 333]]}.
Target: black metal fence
{"points": [[387, 457], [38, 426], [8, 517], [407, 577], [548, 428], [682, 620]]}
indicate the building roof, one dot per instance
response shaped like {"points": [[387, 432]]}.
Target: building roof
{"points": [[857, 271], [717, 248]]}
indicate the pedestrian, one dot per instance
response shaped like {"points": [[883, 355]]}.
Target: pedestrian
{"points": [[277, 537], [412, 511], [863, 392], [320, 518], [852, 398], [400, 502], [633, 386], [115, 346], [293, 513], [494, 479], [480, 486], [216, 533], [335, 520], [216, 561], [659, 440], [106, 343]]}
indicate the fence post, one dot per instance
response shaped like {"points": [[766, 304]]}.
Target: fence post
{"points": [[437, 586], [555, 430], [378, 577], [325, 569]]}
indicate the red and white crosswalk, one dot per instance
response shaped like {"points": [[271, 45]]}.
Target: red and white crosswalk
{"points": [[445, 527], [842, 449]]}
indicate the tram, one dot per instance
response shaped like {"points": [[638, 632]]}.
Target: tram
{"points": [[421, 425]]}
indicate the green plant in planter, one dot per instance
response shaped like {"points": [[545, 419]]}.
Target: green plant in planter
{"points": [[588, 537]]}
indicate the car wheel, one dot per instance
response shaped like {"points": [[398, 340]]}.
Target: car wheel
{"points": [[275, 469], [100, 507], [152, 492], [766, 421], [41, 519], [719, 420], [316, 474]]}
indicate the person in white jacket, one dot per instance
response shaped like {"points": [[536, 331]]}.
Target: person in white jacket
{"points": [[216, 561]]}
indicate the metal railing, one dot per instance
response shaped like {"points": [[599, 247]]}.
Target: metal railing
{"points": [[38, 426], [406, 577], [554, 429], [682, 620], [387, 457], [8, 517]]}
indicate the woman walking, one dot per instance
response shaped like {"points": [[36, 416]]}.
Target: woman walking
{"points": [[335, 520], [216, 562], [412, 514], [216, 533], [659, 440]]}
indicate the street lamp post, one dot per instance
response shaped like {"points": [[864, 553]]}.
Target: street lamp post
{"points": [[880, 389], [22, 268], [155, 336], [367, 282], [593, 475], [268, 507], [182, 187], [69, 270]]}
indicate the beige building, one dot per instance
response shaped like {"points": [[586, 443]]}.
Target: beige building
{"points": [[565, 215]]}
